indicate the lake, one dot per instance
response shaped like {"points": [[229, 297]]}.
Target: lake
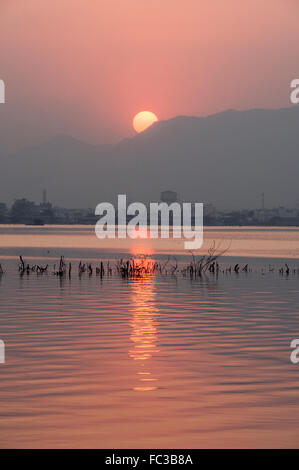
{"points": [[159, 361]]}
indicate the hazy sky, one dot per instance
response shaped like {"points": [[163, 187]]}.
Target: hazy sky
{"points": [[85, 67]]}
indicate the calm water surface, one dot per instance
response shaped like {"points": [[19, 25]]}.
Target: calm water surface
{"points": [[161, 361]]}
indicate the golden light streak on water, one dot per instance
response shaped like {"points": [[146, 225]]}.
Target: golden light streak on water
{"points": [[144, 330]]}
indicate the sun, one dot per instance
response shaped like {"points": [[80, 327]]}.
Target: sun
{"points": [[143, 120]]}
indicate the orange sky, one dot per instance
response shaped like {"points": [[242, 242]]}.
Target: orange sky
{"points": [[86, 67]]}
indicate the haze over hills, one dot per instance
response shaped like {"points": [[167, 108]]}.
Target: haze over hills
{"points": [[228, 159]]}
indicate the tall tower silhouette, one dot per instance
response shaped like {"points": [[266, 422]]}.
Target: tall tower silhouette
{"points": [[44, 196]]}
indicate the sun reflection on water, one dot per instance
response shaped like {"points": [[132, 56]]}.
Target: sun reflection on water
{"points": [[144, 331]]}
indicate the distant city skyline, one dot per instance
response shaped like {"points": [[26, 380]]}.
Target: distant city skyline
{"points": [[28, 212]]}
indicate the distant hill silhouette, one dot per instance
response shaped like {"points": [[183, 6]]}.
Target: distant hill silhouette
{"points": [[228, 159]]}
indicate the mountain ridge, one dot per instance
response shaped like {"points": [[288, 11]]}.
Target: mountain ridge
{"points": [[221, 158]]}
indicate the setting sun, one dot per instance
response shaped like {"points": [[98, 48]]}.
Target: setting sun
{"points": [[143, 120]]}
